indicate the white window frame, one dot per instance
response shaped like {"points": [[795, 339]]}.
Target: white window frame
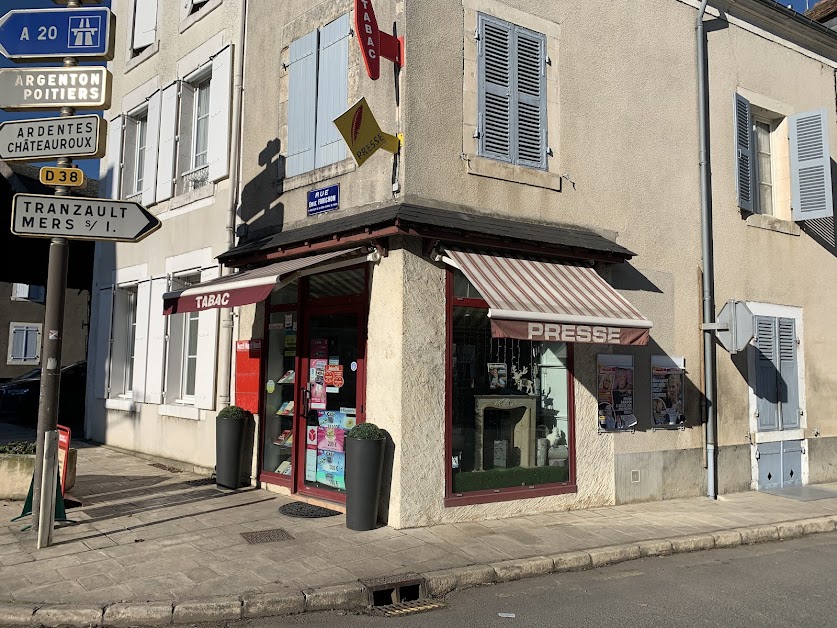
{"points": [[28, 292], [189, 278], [192, 11], [205, 83], [757, 200], [10, 359], [124, 332], [137, 55], [191, 177], [140, 123]]}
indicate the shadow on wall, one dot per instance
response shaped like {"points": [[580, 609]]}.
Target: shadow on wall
{"points": [[258, 212], [823, 230]]}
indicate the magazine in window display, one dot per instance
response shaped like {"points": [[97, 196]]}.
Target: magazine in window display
{"points": [[615, 392], [318, 388], [668, 376], [497, 375]]}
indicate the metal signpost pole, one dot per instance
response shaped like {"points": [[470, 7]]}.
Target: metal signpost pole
{"points": [[51, 356]]}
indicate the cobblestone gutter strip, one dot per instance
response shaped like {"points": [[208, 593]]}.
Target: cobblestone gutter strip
{"points": [[353, 597]]}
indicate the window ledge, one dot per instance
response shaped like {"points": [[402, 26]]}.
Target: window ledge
{"points": [[207, 8], [134, 61], [770, 223], [180, 412], [493, 169], [315, 176], [125, 405], [190, 197]]}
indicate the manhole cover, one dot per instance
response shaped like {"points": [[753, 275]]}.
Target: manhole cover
{"points": [[158, 465], [266, 536], [199, 482], [309, 511], [407, 608]]}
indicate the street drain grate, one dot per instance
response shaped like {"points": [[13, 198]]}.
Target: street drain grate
{"points": [[309, 511], [159, 465], [407, 608], [266, 536], [199, 482]]}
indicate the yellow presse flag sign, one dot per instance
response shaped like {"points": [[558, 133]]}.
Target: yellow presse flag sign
{"points": [[362, 133]]}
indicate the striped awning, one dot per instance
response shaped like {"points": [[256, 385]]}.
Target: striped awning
{"points": [[252, 286], [534, 298]]}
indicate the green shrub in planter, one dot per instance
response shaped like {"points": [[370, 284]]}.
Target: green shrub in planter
{"points": [[232, 412], [366, 431], [20, 449]]}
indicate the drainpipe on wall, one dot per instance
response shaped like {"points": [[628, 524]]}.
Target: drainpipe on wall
{"points": [[226, 338], [707, 256]]}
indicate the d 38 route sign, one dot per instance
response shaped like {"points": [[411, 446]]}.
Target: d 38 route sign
{"points": [[68, 177], [51, 138], [43, 216], [38, 34]]}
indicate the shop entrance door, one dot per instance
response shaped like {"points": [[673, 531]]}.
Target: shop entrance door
{"points": [[333, 392]]}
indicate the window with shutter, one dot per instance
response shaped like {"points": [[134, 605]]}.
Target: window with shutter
{"points": [[766, 374], [144, 30], [811, 193], [744, 153], [511, 82], [788, 374], [24, 343]]}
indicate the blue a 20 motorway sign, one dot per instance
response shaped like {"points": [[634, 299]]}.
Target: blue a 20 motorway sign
{"points": [[33, 34]]}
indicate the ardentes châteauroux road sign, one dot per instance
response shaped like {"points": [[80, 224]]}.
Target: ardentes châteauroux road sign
{"points": [[50, 138], [38, 34], [44, 216], [50, 88]]}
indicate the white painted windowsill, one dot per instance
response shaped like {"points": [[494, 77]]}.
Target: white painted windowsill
{"points": [[125, 405], [771, 223], [180, 412]]}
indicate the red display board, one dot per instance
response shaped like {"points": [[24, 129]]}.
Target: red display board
{"points": [[64, 437], [248, 375]]}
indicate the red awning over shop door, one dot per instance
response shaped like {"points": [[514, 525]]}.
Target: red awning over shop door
{"points": [[250, 286], [534, 298]]}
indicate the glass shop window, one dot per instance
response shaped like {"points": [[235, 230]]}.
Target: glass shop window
{"points": [[510, 422]]}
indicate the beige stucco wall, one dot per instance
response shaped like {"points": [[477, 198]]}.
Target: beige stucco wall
{"points": [[186, 227]]}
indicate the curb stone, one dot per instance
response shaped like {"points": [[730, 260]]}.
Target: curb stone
{"points": [[353, 596], [350, 596], [509, 570], [132, 614], [56, 615], [213, 609], [272, 604]]}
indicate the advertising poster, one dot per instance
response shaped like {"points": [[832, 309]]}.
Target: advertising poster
{"points": [[330, 438], [615, 391], [317, 385], [331, 468], [668, 375], [497, 375], [332, 418], [311, 454]]}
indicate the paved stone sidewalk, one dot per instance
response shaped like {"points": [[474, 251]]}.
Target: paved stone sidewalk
{"points": [[150, 534]]}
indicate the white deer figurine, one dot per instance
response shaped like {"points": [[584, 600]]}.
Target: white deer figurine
{"points": [[523, 384]]}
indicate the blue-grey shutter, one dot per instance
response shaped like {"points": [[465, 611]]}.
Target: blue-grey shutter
{"points": [[18, 343], [302, 105], [788, 370], [32, 351], [529, 98], [769, 465], [332, 90], [811, 194], [791, 463], [766, 374], [494, 79], [744, 154]]}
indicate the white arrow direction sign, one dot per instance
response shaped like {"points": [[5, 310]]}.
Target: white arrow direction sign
{"points": [[51, 138], [45, 216]]}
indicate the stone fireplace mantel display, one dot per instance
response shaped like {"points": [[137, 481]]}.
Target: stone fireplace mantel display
{"points": [[523, 425]]}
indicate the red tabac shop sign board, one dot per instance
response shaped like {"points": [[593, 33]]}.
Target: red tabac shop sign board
{"points": [[373, 43]]}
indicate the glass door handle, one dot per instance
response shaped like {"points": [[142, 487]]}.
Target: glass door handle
{"points": [[306, 401]]}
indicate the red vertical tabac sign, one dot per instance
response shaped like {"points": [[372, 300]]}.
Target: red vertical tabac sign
{"points": [[373, 43]]}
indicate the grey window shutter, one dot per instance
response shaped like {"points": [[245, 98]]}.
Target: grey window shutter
{"points": [[789, 372], [530, 98], [18, 343], [494, 78], [33, 349], [766, 374], [811, 194], [332, 90], [302, 105], [744, 151]]}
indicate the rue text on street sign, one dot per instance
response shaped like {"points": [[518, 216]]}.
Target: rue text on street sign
{"points": [[39, 34], [85, 87], [51, 138], [44, 216], [69, 177]]}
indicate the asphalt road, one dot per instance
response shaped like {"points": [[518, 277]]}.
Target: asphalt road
{"points": [[789, 584]]}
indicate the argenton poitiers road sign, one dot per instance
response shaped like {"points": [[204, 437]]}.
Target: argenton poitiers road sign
{"points": [[50, 138], [50, 88], [45, 216], [38, 34]]}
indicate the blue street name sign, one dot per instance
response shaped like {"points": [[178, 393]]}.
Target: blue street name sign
{"points": [[38, 34], [323, 200]]}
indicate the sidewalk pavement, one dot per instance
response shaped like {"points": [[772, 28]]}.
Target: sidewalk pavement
{"points": [[155, 545]]}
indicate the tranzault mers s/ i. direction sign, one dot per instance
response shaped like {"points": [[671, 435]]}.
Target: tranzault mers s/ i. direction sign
{"points": [[44, 216], [51, 138], [38, 34], [52, 88]]}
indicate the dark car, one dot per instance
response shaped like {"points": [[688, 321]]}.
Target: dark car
{"points": [[19, 397]]}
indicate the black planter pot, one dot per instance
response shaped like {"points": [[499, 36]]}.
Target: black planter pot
{"points": [[364, 466], [229, 441]]}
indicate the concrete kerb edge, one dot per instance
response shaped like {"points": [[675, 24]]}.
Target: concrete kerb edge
{"points": [[352, 596]]}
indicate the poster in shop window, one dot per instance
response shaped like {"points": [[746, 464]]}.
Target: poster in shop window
{"points": [[615, 391], [668, 376]]}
